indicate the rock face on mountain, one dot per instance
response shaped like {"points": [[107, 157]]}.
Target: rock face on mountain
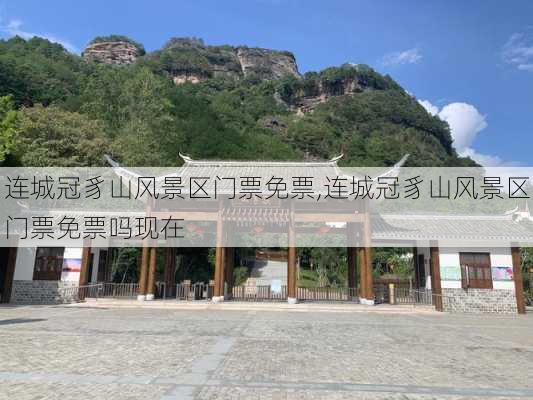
{"points": [[314, 88], [190, 60], [269, 64], [112, 52], [305, 100]]}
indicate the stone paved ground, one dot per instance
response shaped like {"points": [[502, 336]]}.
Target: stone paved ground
{"points": [[135, 353]]}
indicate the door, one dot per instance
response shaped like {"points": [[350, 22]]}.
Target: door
{"points": [[476, 270]]}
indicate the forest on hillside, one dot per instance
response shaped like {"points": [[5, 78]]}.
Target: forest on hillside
{"points": [[57, 109]]}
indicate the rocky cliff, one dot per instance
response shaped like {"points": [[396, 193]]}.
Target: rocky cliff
{"points": [[190, 60], [116, 52], [269, 64], [303, 95], [307, 98]]}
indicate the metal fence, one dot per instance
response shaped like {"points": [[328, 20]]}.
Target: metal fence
{"points": [[328, 294], [129, 290], [194, 291], [204, 291], [259, 293], [119, 290], [75, 294], [403, 294], [423, 296]]}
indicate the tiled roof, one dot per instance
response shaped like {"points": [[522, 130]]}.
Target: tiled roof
{"points": [[436, 227]]}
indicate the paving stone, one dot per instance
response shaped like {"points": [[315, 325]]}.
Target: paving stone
{"points": [[60, 352]]}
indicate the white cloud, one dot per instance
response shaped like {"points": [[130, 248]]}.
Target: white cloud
{"points": [[430, 108], [13, 27], [465, 124], [464, 119], [410, 56], [518, 51], [486, 160]]}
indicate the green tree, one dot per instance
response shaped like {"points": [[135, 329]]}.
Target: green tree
{"points": [[8, 127], [149, 135], [330, 264], [38, 71], [51, 137]]}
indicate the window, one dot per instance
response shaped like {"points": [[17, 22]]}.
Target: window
{"points": [[475, 270], [48, 264]]}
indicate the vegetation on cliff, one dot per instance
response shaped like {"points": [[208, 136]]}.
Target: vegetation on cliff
{"points": [[139, 115], [119, 38]]}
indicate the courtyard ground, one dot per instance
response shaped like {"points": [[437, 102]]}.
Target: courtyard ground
{"points": [[254, 352]]}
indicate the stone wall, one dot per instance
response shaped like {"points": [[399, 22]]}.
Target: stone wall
{"points": [[479, 301], [42, 292]]}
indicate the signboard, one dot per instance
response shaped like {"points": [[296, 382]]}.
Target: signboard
{"points": [[502, 273], [71, 264], [450, 273], [275, 286]]}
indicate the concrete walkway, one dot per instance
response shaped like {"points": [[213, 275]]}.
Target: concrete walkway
{"points": [[257, 306], [121, 350]]}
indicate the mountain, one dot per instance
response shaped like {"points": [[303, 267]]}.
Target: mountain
{"points": [[211, 102]]}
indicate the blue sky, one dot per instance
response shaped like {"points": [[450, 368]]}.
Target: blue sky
{"points": [[471, 62]]}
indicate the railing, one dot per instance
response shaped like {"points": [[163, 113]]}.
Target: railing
{"points": [[76, 294], [259, 293], [403, 294], [194, 291], [381, 293], [204, 291], [161, 290], [122, 290], [274, 255], [423, 296], [328, 294]]}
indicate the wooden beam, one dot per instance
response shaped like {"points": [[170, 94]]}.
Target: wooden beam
{"points": [[325, 217], [291, 260], [84, 268], [362, 272], [186, 215], [352, 265], [416, 267], [291, 273], [170, 268], [108, 264], [367, 254], [150, 288], [369, 276], [435, 277], [518, 282], [9, 274], [218, 290], [143, 276], [228, 268]]}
